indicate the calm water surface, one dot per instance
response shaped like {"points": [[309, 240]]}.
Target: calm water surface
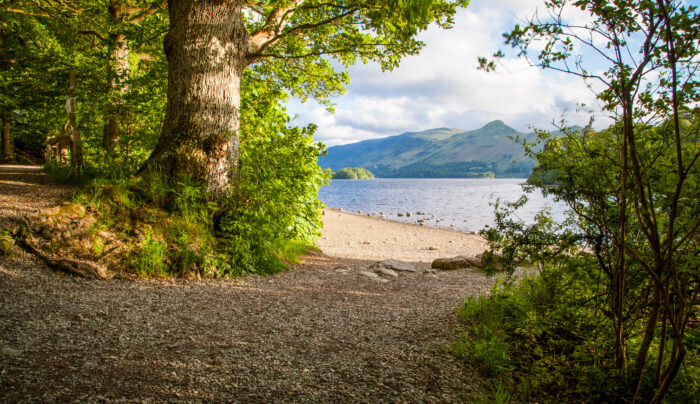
{"points": [[462, 203]]}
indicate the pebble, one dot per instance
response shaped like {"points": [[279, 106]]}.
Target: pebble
{"points": [[369, 274], [387, 272], [11, 352]]}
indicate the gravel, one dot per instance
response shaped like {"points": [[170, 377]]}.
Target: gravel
{"points": [[311, 334]]}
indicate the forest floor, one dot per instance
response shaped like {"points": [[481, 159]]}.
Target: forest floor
{"points": [[322, 332]]}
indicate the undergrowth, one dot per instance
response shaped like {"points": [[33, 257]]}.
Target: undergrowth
{"points": [[538, 342], [168, 230]]}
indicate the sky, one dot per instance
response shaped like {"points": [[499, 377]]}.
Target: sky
{"points": [[442, 87]]}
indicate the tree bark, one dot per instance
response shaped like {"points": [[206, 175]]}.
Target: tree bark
{"points": [[206, 50], [76, 148], [118, 74], [6, 143]]}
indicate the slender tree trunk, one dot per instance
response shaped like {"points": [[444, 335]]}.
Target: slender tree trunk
{"points": [[118, 74], [6, 143], [76, 147], [206, 50]]}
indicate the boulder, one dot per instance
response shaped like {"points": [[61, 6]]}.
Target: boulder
{"points": [[458, 262], [474, 262], [393, 265], [448, 264]]}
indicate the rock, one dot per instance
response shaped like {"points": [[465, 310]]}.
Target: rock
{"points": [[431, 248], [429, 271], [432, 276], [359, 211], [474, 262], [449, 264], [421, 223], [85, 244], [340, 209], [369, 274], [105, 235], [387, 272], [408, 214], [341, 270], [365, 242], [323, 213], [400, 214], [459, 262], [394, 265], [7, 351], [368, 215]]}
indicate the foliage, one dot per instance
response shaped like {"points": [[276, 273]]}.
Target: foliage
{"points": [[276, 199], [353, 173], [631, 191]]}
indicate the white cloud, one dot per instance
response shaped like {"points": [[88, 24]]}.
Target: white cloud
{"points": [[443, 87]]}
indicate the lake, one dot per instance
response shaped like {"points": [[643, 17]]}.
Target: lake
{"points": [[459, 203]]}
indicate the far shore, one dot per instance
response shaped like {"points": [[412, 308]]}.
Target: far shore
{"points": [[348, 235]]}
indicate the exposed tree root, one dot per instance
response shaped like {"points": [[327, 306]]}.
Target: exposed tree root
{"points": [[72, 266]]}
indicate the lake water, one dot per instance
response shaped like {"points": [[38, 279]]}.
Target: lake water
{"points": [[460, 203]]}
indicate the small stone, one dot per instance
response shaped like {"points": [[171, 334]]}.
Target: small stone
{"points": [[104, 234], [408, 214], [359, 211], [11, 352], [432, 276], [340, 209], [369, 274], [323, 213], [387, 272], [395, 265], [431, 248], [400, 214]]}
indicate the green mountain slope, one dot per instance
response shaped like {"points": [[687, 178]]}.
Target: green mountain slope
{"points": [[441, 152]]}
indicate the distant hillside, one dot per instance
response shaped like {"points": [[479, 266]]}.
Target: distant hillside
{"points": [[438, 153]]}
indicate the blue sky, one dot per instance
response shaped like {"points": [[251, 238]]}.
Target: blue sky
{"points": [[442, 87]]}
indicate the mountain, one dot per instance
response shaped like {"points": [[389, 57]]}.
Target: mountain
{"points": [[438, 153]]}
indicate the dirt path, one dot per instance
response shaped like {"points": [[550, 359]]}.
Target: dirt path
{"points": [[313, 334]]}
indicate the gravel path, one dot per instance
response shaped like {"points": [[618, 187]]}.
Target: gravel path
{"points": [[313, 334]]}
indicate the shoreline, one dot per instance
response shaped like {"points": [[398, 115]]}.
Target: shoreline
{"points": [[356, 236]]}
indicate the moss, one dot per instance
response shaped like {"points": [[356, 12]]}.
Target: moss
{"points": [[6, 244]]}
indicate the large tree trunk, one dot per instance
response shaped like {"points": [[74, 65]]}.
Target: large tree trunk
{"points": [[206, 50], [6, 143], [118, 74]]}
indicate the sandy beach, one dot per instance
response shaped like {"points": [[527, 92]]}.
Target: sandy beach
{"points": [[347, 235]]}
